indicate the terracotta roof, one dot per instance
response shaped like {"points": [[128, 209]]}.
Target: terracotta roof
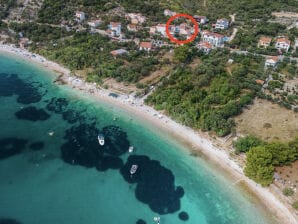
{"points": [[283, 39], [205, 45], [265, 39], [118, 52], [206, 32], [259, 81], [131, 26], [147, 45], [274, 58]]}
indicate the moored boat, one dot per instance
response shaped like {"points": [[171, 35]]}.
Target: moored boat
{"points": [[133, 169], [101, 139]]}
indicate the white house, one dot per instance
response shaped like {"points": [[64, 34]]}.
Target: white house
{"points": [[132, 27], [201, 19], [161, 28], [146, 46], [136, 18], [204, 46], [271, 61], [215, 39], [80, 16], [118, 52], [264, 42], [115, 28], [168, 12], [222, 24], [94, 23], [283, 43]]}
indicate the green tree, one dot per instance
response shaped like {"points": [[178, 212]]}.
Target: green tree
{"points": [[183, 53], [259, 165], [246, 143]]}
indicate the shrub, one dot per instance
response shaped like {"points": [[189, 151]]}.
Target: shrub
{"points": [[288, 192], [246, 143], [295, 205]]}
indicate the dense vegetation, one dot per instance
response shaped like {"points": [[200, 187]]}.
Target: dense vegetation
{"points": [[262, 159], [87, 51], [5, 5], [39, 32], [207, 96]]}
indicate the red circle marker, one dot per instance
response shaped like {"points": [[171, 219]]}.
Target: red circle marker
{"points": [[173, 39]]}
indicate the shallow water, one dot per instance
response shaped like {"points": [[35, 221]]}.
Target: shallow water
{"points": [[52, 169]]}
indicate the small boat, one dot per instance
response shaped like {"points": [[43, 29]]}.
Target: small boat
{"points": [[101, 139], [133, 169], [157, 219], [130, 149]]}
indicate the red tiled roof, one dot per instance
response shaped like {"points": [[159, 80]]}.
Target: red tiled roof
{"points": [[265, 39], [205, 45], [259, 81], [207, 32], [274, 58], [283, 39], [147, 45]]}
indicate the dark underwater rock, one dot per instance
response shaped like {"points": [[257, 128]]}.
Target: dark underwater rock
{"points": [[36, 146], [140, 221], [11, 84], [32, 114], [109, 162], [71, 116], [57, 105], [155, 184], [82, 148], [116, 142], [9, 221], [11, 146], [183, 216]]}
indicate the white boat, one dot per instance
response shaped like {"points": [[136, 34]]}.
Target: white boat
{"points": [[130, 149], [157, 219], [101, 139], [133, 169]]}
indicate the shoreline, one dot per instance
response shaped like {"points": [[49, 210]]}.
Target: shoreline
{"points": [[195, 140]]}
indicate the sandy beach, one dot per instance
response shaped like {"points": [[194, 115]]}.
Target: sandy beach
{"points": [[196, 140]]}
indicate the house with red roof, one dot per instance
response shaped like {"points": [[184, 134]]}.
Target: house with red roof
{"points": [[264, 42], [204, 46], [215, 39], [271, 61], [145, 46], [283, 43], [118, 52]]}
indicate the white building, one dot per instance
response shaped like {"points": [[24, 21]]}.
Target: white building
{"points": [[201, 19], [283, 43], [161, 28], [205, 47], [215, 39], [271, 61], [115, 28], [80, 16], [222, 24], [168, 12], [94, 23], [135, 18]]}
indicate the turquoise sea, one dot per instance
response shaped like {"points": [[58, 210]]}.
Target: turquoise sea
{"points": [[52, 169]]}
